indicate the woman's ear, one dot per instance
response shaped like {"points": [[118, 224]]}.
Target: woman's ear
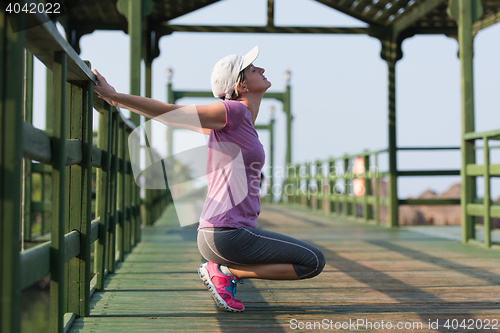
{"points": [[241, 87]]}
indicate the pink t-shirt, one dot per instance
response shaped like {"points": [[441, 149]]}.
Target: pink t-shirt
{"points": [[234, 164]]}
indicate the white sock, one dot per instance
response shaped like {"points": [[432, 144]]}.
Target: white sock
{"points": [[225, 270]]}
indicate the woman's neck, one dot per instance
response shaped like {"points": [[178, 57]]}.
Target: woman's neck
{"points": [[253, 106]]}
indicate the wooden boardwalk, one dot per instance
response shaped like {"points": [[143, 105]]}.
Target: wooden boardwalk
{"points": [[372, 273]]}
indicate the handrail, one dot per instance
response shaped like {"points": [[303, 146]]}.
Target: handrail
{"points": [[492, 135], [336, 201], [369, 197], [484, 208], [43, 40], [69, 149]]}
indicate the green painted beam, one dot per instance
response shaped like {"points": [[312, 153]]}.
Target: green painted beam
{"points": [[44, 40], [428, 148], [429, 201], [492, 135], [166, 29], [478, 170], [429, 173], [173, 96]]}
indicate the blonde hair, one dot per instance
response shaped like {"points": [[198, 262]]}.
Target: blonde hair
{"points": [[239, 81]]}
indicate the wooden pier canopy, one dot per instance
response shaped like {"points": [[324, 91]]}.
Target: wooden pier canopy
{"points": [[385, 18]]}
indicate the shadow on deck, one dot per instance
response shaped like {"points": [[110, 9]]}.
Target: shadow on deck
{"points": [[373, 274]]}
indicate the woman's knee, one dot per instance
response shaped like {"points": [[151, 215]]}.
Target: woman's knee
{"points": [[316, 266], [321, 263]]}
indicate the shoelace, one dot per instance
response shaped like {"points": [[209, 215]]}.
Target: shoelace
{"points": [[232, 286]]}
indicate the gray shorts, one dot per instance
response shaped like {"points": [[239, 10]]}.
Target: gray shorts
{"points": [[249, 246]]}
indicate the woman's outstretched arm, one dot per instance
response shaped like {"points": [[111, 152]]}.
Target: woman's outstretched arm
{"points": [[211, 116]]}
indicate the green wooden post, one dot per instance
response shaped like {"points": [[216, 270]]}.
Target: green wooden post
{"points": [[331, 188], [377, 196], [28, 117], [299, 192], [127, 229], [271, 159], [319, 184], [170, 132], [86, 219], [114, 216], [134, 17], [148, 192], [288, 111], [49, 123], [80, 198], [487, 195], [11, 159], [49, 101], [121, 191], [308, 184], [58, 196], [345, 204], [134, 11], [46, 197], [393, 169], [367, 212], [131, 209], [102, 194], [465, 12]]}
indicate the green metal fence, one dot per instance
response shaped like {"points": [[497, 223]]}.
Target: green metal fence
{"points": [[66, 156]]}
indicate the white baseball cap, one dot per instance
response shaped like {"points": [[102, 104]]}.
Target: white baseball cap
{"points": [[226, 71]]}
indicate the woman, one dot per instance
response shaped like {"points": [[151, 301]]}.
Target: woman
{"points": [[227, 233]]}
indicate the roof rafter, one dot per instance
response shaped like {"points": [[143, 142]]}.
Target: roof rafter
{"points": [[392, 10], [346, 8], [418, 11]]}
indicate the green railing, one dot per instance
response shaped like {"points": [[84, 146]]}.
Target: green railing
{"points": [[471, 206], [323, 186], [67, 157], [308, 185]]}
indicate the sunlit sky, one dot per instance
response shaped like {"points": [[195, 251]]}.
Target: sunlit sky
{"points": [[339, 85]]}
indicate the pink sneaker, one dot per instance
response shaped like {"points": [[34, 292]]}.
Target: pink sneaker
{"points": [[222, 286]]}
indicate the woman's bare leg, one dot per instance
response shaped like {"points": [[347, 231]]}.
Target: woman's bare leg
{"points": [[264, 271]]}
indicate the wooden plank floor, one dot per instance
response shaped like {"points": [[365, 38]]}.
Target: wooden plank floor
{"points": [[372, 273]]}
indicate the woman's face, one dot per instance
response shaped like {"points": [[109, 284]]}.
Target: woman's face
{"points": [[255, 79]]}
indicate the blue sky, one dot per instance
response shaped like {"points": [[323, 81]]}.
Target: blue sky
{"points": [[339, 85]]}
